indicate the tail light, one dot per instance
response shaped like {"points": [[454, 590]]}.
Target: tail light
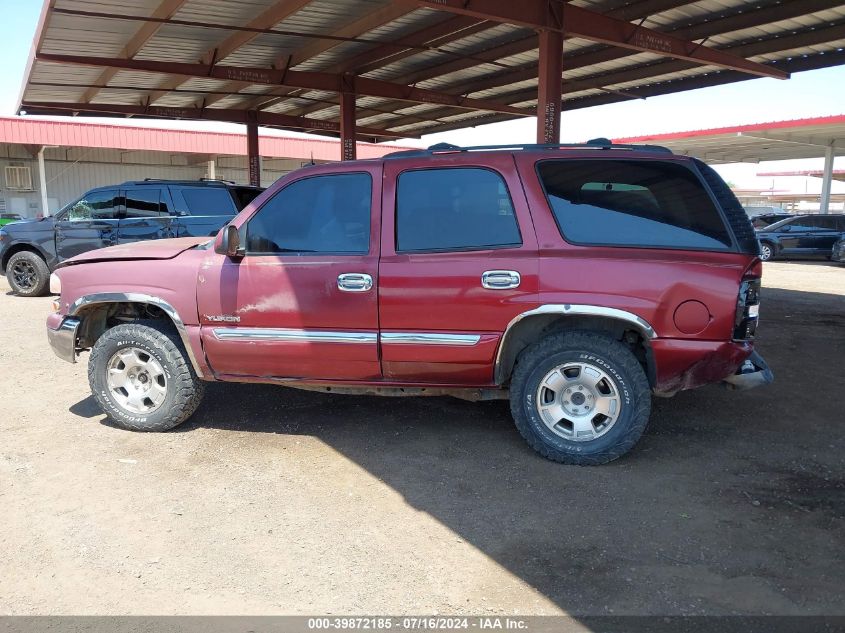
{"points": [[748, 304]]}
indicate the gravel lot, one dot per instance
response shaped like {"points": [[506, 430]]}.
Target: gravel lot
{"points": [[278, 501]]}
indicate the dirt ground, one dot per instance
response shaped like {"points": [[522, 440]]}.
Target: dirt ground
{"points": [[277, 501]]}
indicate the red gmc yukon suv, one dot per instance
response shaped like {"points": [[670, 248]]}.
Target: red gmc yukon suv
{"points": [[574, 280]]}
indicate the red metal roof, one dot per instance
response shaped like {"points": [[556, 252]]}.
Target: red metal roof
{"points": [[32, 131], [816, 173], [837, 119], [776, 140]]}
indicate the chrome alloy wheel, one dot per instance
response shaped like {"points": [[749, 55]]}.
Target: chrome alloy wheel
{"points": [[765, 252], [136, 380], [25, 275], [578, 401]]}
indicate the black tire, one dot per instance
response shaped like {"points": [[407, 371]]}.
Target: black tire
{"points": [[606, 355], [28, 274], [184, 390], [767, 251]]}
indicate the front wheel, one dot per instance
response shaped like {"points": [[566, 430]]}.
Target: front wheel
{"points": [[580, 398], [766, 251], [140, 376], [28, 274]]}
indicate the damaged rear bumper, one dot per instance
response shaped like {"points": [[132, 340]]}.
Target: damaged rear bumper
{"points": [[754, 372], [689, 364]]}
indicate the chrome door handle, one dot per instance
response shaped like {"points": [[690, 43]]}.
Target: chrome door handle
{"points": [[354, 282], [500, 279]]}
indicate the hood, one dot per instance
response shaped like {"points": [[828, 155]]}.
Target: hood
{"points": [[29, 225], [152, 249]]}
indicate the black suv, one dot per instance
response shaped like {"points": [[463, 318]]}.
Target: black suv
{"points": [[801, 236], [105, 216]]}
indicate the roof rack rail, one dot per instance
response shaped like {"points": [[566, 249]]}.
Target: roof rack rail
{"points": [[180, 181], [596, 143]]}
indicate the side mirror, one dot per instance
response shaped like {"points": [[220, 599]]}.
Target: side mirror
{"points": [[786, 229], [230, 243]]}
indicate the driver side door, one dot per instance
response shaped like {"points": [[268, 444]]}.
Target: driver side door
{"points": [[89, 223], [302, 301]]}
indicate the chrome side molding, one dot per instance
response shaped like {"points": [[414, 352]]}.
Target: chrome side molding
{"points": [[428, 338], [291, 335], [136, 297], [323, 336]]}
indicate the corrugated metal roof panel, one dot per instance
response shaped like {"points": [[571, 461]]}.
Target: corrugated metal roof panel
{"points": [[461, 61]]}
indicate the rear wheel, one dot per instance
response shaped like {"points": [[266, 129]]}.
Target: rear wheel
{"points": [[580, 398], [766, 251], [28, 274], [140, 376]]}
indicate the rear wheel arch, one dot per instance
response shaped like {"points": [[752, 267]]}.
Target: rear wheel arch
{"points": [[534, 325]]}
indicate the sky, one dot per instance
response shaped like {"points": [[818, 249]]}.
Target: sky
{"points": [[807, 94]]}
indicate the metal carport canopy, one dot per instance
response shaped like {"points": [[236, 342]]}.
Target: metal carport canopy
{"points": [[778, 140], [381, 69]]}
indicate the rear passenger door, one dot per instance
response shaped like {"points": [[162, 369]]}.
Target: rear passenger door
{"points": [[459, 262], [820, 240], [89, 223], [146, 216]]}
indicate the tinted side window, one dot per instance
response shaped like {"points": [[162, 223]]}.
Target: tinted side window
{"points": [[209, 201], [800, 224], [829, 223], [144, 203], [650, 204], [245, 195], [95, 205], [454, 209], [321, 214]]}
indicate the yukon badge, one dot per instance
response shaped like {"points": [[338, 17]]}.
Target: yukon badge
{"points": [[221, 318]]}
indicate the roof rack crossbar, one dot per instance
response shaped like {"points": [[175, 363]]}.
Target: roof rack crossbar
{"points": [[598, 144]]}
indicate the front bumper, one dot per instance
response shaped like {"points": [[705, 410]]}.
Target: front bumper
{"points": [[63, 338], [754, 372]]}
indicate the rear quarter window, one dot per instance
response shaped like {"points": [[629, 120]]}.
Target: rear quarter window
{"points": [[245, 195], [636, 203], [209, 201]]}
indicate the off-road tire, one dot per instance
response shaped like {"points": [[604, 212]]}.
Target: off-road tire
{"points": [[42, 274], [767, 251], [184, 389], [599, 350]]}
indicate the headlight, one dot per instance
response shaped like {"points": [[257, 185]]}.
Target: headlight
{"points": [[55, 284]]}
